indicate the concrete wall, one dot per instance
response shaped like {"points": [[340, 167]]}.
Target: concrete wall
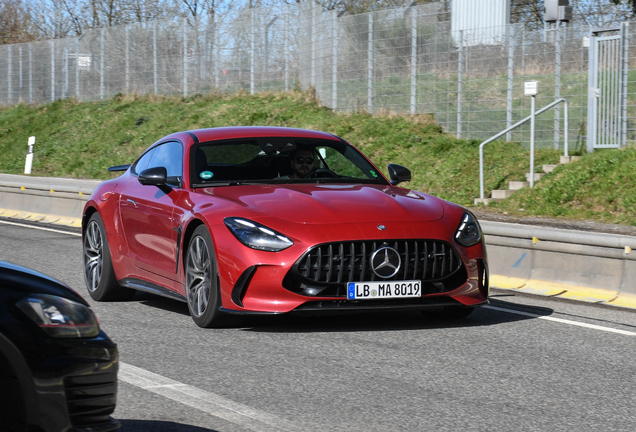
{"points": [[595, 260]]}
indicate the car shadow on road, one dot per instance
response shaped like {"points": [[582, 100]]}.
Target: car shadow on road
{"points": [[159, 302], [392, 321], [356, 322], [158, 426]]}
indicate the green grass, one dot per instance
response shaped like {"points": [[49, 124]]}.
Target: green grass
{"points": [[82, 139]]}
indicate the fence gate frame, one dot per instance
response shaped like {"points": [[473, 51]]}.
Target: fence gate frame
{"points": [[607, 91]]}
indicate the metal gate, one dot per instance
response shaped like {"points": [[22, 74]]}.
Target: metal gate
{"points": [[607, 88]]}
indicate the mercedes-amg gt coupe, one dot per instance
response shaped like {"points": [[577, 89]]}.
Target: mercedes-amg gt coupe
{"points": [[270, 220]]}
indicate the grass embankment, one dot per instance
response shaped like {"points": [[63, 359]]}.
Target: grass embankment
{"points": [[82, 139]]}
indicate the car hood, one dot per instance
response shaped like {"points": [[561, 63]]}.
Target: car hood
{"points": [[333, 203]]}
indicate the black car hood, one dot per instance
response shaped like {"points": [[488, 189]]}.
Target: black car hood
{"points": [[22, 279]]}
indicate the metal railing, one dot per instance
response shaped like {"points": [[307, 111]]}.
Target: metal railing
{"points": [[531, 118]]}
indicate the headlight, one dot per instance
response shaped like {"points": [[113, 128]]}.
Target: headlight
{"points": [[469, 232], [257, 236], [60, 317]]}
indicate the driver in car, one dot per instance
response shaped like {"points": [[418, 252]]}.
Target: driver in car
{"points": [[302, 163]]}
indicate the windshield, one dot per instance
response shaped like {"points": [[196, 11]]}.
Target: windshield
{"points": [[279, 160]]}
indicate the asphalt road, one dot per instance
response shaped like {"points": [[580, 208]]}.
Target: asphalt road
{"points": [[523, 363]]}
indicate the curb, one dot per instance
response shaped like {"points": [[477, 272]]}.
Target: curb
{"points": [[564, 291], [38, 217]]}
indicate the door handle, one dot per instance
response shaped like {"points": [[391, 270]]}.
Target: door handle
{"points": [[132, 202]]}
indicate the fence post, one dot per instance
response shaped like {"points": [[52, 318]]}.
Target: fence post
{"points": [[413, 58], [511, 78], [591, 93], [154, 57], [127, 59], [31, 72], [9, 67], [557, 85], [185, 57], [624, 79], [460, 72], [313, 46], [20, 71], [370, 66], [334, 60], [215, 53], [101, 66], [65, 60], [285, 49], [252, 54], [52, 71], [77, 78]]}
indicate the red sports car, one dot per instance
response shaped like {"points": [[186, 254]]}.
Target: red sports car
{"points": [[269, 220]]}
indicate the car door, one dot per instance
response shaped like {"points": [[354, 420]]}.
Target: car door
{"points": [[147, 212]]}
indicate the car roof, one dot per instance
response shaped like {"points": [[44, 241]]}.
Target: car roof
{"points": [[230, 132]]}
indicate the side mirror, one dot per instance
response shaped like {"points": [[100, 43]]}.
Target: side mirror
{"points": [[153, 176], [399, 174]]}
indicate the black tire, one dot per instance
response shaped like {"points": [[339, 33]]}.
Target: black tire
{"points": [[202, 290], [449, 312], [98, 267]]}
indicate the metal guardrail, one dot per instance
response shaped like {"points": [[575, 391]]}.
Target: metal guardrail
{"points": [[560, 240], [516, 125]]}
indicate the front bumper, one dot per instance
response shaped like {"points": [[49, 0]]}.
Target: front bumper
{"points": [[67, 384], [256, 282]]}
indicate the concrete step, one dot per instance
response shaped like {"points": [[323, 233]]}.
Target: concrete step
{"points": [[501, 194], [568, 159], [548, 168], [485, 201], [537, 176], [516, 185]]}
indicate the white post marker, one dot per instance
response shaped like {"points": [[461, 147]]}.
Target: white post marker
{"points": [[29, 157], [531, 88]]}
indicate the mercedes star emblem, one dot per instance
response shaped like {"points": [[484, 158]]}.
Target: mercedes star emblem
{"points": [[385, 262]]}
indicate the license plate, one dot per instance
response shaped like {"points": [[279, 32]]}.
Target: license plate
{"points": [[382, 290]]}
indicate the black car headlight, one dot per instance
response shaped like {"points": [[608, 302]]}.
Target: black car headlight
{"points": [[468, 233], [60, 317], [257, 236]]}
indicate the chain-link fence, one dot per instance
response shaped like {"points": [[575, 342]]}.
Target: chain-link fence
{"points": [[404, 60]]}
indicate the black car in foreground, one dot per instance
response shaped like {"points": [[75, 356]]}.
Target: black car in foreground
{"points": [[58, 370]]}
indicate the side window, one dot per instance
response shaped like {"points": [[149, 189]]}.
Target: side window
{"points": [[339, 163], [143, 161], [170, 156]]}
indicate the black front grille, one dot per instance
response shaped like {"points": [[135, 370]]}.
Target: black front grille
{"points": [[325, 269], [91, 398], [426, 260]]}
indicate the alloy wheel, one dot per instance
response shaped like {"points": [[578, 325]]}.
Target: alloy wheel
{"points": [[198, 276], [93, 255]]}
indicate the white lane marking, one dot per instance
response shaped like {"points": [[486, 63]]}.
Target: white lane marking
{"points": [[40, 228], [564, 321], [207, 402]]}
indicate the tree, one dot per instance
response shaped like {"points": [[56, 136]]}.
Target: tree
{"points": [[631, 3], [15, 22]]}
